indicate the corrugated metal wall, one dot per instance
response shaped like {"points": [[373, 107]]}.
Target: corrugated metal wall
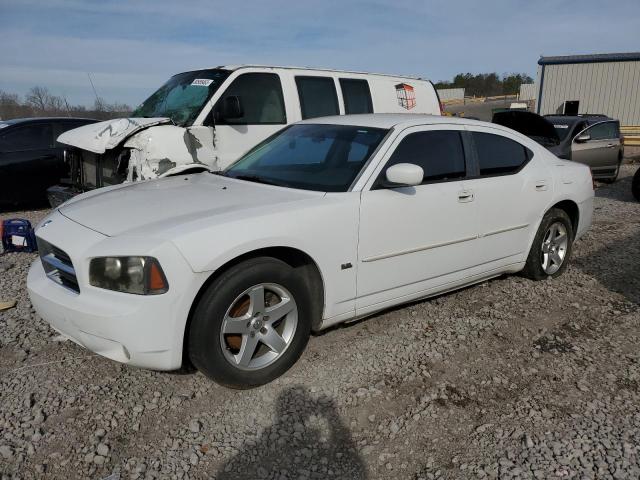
{"points": [[610, 88], [450, 94], [528, 91]]}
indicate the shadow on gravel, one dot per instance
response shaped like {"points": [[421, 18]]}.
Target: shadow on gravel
{"points": [[308, 440], [620, 190], [617, 267]]}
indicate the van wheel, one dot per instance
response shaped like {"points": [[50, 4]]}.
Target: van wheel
{"points": [[251, 324], [551, 246]]}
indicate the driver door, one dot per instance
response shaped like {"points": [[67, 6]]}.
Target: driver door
{"points": [[601, 150], [414, 240], [262, 114]]}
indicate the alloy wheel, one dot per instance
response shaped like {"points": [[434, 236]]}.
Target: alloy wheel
{"points": [[554, 248], [259, 326]]}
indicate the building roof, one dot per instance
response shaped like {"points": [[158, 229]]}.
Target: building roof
{"points": [[593, 58]]}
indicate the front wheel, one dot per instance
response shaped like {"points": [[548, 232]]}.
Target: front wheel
{"points": [[251, 324], [551, 246]]}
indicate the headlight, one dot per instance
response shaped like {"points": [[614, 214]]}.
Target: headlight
{"points": [[139, 275]]}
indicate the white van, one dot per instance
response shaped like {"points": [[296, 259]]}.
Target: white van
{"points": [[206, 119]]}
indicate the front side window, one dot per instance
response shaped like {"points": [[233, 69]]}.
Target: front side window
{"points": [[29, 137], [261, 98], [356, 95], [183, 96], [603, 131], [498, 155], [438, 152], [324, 158], [318, 96]]}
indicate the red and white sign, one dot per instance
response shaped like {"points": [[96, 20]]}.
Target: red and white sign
{"points": [[406, 95]]}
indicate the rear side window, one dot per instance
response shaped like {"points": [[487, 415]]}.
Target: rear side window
{"points": [[261, 98], [356, 95], [29, 137], [438, 152], [318, 96], [604, 131], [498, 155]]}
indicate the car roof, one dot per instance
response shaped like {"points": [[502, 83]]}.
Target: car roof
{"points": [[571, 119], [16, 121], [390, 120]]}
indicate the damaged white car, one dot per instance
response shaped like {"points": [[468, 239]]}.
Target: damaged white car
{"points": [[206, 119]]}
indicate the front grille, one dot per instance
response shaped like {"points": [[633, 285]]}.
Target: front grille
{"points": [[58, 266]]}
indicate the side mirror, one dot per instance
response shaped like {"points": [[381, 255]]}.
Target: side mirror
{"points": [[585, 137], [231, 108], [404, 174]]}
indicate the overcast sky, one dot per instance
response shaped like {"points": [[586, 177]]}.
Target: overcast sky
{"points": [[132, 47]]}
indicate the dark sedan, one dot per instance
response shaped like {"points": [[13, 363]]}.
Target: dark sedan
{"points": [[31, 160]]}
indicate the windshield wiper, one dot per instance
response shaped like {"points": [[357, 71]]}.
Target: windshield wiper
{"points": [[256, 179]]}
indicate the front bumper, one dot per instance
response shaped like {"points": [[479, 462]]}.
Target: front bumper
{"points": [[139, 330]]}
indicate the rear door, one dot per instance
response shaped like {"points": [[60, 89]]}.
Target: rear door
{"points": [[601, 151], [27, 163], [511, 189]]}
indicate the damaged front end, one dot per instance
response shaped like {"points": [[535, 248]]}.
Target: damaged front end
{"points": [[129, 150]]}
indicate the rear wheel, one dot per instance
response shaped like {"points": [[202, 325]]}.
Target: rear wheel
{"points": [[251, 324], [551, 246], [635, 185]]}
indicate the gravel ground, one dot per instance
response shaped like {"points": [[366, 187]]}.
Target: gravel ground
{"points": [[507, 379]]}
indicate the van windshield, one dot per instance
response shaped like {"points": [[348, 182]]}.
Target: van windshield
{"points": [[183, 96], [324, 158]]}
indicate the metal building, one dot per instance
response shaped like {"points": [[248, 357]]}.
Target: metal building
{"points": [[447, 94], [602, 83], [528, 91]]}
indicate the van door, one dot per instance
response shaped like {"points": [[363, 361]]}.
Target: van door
{"points": [[250, 110]]}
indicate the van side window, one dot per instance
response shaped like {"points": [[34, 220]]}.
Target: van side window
{"points": [[318, 96], [356, 95], [261, 98], [498, 155], [438, 152]]}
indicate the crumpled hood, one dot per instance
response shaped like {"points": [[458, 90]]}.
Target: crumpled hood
{"points": [[165, 205], [102, 136], [530, 124]]}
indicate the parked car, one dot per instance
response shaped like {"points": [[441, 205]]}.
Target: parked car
{"points": [[205, 119], [30, 159], [328, 220], [594, 140], [635, 185]]}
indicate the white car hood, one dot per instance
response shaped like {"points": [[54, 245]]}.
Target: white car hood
{"points": [[162, 206], [102, 136]]}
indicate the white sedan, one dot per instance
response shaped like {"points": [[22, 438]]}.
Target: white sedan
{"points": [[328, 220]]}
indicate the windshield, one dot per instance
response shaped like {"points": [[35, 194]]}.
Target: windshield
{"points": [[183, 96], [324, 158]]}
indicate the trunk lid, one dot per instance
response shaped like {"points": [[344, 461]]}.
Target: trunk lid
{"points": [[529, 124]]}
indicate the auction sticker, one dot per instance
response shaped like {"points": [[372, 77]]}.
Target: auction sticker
{"points": [[202, 82]]}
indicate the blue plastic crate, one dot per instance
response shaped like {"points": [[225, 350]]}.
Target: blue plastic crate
{"points": [[18, 236]]}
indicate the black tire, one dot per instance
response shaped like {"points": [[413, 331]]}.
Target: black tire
{"points": [[533, 268], [635, 185], [204, 336]]}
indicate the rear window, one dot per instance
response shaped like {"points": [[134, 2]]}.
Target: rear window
{"points": [[356, 95], [29, 137], [498, 155], [318, 96]]}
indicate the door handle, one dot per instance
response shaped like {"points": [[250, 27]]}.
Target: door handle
{"points": [[541, 186], [610, 145], [465, 196]]}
